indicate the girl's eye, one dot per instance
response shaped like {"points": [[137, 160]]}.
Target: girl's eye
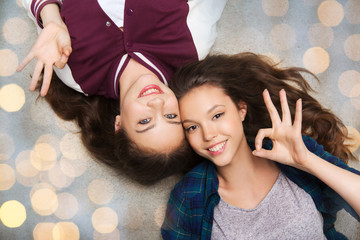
{"points": [[191, 128], [144, 121], [216, 116], [170, 116]]}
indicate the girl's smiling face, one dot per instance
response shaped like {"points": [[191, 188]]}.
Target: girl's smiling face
{"points": [[213, 123], [149, 110], [150, 115]]}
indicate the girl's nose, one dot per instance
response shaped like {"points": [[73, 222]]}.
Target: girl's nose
{"points": [[209, 132], [156, 102]]}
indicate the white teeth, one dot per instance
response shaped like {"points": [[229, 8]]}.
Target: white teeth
{"points": [[217, 147], [152, 90]]}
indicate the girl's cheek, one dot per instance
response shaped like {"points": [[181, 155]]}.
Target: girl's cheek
{"points": [[195, 142]]}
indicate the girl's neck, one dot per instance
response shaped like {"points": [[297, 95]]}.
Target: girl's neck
{"points": [[245, 166], [247, 180]]}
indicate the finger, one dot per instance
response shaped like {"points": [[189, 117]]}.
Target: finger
{"points": [[274, 115], [286, 116], [262, 133], [263, 153], [25, 61], [47, 79], [62, 62], [67, 50], [298, 114], [36, 74]]}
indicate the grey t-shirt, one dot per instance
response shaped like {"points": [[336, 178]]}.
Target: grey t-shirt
{"points": [[287, 212]]}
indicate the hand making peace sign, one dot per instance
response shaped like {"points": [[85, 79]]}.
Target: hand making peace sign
{"points": [[52, 47]]}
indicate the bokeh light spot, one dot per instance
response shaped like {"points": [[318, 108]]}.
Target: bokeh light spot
{"points": [[12, 97], [100, 191], [8, 62], [44, 201], [7, 177], [349, 83], [66, 231], [43, 157], [330, 13], [354, 141], [352, 47], [16, 31], [104, 220], [28, 181], [24, 166], [27, 175], [43, 231], [50, 139], [58, 178], [352, 10], [68, 206], [73, 168], [275, 8], [316, 59], [12, 214], [356, 103]]}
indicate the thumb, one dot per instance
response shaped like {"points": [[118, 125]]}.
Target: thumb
{"points": [[262, 153], [62, 62], [67, 50]]}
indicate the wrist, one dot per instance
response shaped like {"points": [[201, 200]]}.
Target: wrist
{"points": [[51, 13], [303, 159], [309, 162]]}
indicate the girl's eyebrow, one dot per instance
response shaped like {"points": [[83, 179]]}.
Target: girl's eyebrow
{"points": [[173, 122], [208, 111], [154, 125], [146, 129], [215, 106]]}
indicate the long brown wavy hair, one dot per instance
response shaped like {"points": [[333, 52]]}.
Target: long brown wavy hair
{"points": [[244, 77], [95, 116]]}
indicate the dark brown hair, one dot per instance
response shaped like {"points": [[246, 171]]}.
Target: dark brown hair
{"points": [[245, 76], [95, 116]]}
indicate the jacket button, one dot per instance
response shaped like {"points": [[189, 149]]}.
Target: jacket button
{"points": [[108, 24], [129, 11]]}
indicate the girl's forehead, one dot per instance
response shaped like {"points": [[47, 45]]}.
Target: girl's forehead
{"points": [[207, 88], [203, 95]]}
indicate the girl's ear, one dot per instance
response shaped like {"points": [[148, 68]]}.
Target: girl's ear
{"points": [[242, 109], [117, 123]]}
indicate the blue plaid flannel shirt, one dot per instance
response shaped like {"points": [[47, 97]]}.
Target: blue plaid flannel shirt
{"points": [[190, 209]]}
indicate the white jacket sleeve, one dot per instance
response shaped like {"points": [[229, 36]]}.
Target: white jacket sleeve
{"points": [[202, 19]]}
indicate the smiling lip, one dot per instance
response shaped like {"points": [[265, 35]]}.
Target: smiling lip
{"points": [[217, 148], [150, 90]]}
